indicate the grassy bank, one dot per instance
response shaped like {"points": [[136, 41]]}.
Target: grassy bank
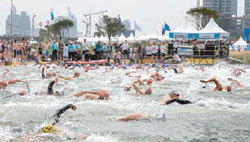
{"points": [[242, 56]]}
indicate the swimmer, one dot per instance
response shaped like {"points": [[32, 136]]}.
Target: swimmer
{"points": [[138, 90], [5, 73], [240, 85], [3, 84], [172, 97], [61, 111], [218, 85], [76, 75], [157, 76], [92, 95], [133, 117], [22, 93], [50, 88], [237, 72], [14, 81]]}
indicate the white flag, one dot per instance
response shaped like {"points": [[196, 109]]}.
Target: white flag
{"points": [[71, 16]]}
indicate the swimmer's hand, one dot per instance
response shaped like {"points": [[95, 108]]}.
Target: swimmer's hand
{"points": [[73, 107]]}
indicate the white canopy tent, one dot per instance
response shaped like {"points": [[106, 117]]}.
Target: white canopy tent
{"points": [[212, 30], [240, 45]]}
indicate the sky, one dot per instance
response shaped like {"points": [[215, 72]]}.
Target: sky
{"points": [[148, 14]]}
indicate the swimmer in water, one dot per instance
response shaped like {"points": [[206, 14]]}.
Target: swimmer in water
{"points": [[50, 88], [5, 73], [92, 95], [218, 85], [4, 84], [133, 117], [240, 85], [237, 72], [76, 75], [157, 76], [138, 90], [172, 97]]}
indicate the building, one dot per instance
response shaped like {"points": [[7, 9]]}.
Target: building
{"points": [[228, 19], [225, 7], [21, 24], [72, 31], [247, 7]]}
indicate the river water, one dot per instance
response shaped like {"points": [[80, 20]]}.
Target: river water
{"points": [[214, 116]]}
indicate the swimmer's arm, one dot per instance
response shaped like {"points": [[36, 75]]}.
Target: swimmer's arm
{"points": [[138, 90], [18, 80]]}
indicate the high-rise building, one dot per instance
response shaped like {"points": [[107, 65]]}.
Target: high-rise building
{"points": [[227, 7], [73, 30], [227, 10], [247, 7], [21, 24], [127, 24]]}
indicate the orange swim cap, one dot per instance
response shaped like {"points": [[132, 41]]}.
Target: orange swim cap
{"points": [[103, 93], [149, 90], [229, 88]]}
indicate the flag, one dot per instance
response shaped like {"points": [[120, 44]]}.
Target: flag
{"points": [[119, 21], [71, 16], [13, 8], [101, 23], [40, 23], [52, 15], [163, 30], [167, 28], [137, 27]]}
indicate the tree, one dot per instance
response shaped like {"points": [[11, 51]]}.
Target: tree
{"points": [[110, 27], [202, 15], [54, 31]]}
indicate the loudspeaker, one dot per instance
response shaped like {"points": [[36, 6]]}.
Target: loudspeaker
{"points": [[170, 49]]}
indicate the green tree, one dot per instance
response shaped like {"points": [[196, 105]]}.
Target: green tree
{"points": [[109, 28], [55, 30], [202, 15]]}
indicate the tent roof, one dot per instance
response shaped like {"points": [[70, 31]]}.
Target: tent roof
{"points": [[212, 27], [240, 42], [186, 27]]}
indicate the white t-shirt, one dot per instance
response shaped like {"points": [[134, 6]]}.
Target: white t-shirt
{"points": [[155, 49], [65, 51], [125, 46], [85, 46], [149, 50], [163, 49]]}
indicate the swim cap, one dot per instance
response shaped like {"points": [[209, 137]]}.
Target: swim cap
{"points": [[174, 92], [149, 90], [49, 129], [229, 88], [150, 81], [67, 78], [103, 93], [22, 93]]}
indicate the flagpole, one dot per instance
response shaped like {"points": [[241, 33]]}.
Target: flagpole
{"points": [[11, 27]]}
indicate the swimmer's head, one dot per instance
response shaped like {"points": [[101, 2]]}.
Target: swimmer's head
{"points": [[228, 88], [150, 81], [23, 93], [57, 93], [76, 74], [157, 74], [104, 94], [174, 94], [149, 91], [49, 75], [54, 74]]}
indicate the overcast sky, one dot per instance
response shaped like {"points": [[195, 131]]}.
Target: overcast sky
{"points": [[149, 14]]}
